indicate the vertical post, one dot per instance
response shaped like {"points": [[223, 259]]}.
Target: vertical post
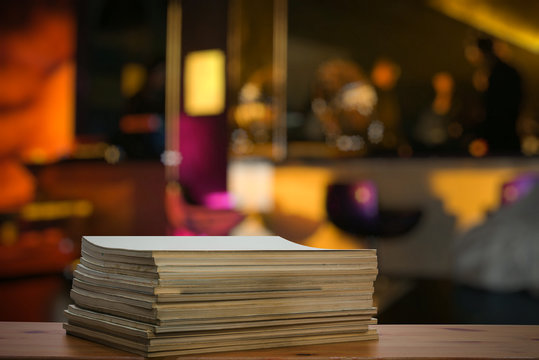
{"points": [[172, 156], [234, 35], [280, 45]]}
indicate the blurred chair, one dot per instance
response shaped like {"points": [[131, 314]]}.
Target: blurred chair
{"points": [[215, 218]]}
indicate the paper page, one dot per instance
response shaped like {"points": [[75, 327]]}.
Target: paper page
{"points": [[197, 243]]}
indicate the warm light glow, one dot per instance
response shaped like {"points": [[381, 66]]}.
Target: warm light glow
{"points": [[530, 145], [478, 148], [250, 92], [113, 154], [484, 16], [251, 184], [306, 198], [328, 236], [133, 78], [56, 210], [246, 114], [469, 194], [350, 143], [363, 195], [89, 151], [204, 83], [52, 119], [443, 83], [37, 86], [385, 74], [360, 97], [241, 144], [8, 233]]}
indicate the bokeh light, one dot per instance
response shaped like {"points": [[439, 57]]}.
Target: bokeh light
{"points": [[478, 148]]}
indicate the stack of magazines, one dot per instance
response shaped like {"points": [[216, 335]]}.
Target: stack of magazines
{"points": [[165, 295]]}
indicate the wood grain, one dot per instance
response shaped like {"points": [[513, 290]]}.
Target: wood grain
{"points": [[48, 340], [28, 340], [418, 342]]}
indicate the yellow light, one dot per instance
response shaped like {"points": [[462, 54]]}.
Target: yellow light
{"points": [[133, 78], [82, 208], [37, 155], [478, 148], [90, 151], [328, 236], [245, 114], [485, 16], [8, 233], [305, 198], [468, 194], [204, 83], [54, 210], [530, 145]]}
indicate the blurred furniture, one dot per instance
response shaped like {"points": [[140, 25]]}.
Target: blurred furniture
{"points": [[38, 252], [215, 217], [42, 238], [48, 340], [354, 208], [37, 298], [127, 198], [80, 198]]}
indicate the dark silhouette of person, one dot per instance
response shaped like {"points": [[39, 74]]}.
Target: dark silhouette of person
{"points": [[503, 99]]}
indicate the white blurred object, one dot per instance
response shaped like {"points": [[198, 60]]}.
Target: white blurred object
{"points": [[250, 182], [359, 96], [502, 254]]}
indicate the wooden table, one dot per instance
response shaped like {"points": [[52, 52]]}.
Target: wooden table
{"points": [[20, 340]]}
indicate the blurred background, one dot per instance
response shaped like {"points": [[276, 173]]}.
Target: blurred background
{"points": [[407, 126]]}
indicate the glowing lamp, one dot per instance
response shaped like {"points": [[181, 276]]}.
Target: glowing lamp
{"points": [[204, 83], [478, 148], [366, 196], [518, 188]]}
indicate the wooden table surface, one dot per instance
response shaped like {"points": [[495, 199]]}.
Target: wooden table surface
{"points": [[19, 340]]}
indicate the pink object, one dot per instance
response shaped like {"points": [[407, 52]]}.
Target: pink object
{"points": [[366, 198], [219, 201]]}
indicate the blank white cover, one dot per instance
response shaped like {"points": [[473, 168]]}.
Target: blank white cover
{"points": [[197, 243]]}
